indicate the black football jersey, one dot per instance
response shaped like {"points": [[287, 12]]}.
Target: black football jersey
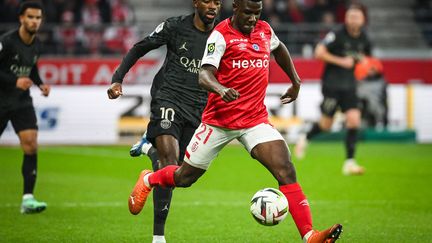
{"points": [[340, 43], [17, 59], [177, 80]]}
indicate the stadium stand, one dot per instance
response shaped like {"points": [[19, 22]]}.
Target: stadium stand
{"points": [[397, 28]]}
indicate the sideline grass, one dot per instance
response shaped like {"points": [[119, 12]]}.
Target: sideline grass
{"points": [[86, 189]]}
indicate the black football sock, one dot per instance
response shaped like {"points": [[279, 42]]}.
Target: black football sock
{"points": [[350, 142], [315, 130], [153, 155], [161, 199], [29, 172]]}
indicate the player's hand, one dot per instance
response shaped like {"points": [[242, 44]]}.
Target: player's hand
{"points": [[347, 62], [115, 91], [45, 88], [291, 94], [229, 94], [24, 83]]}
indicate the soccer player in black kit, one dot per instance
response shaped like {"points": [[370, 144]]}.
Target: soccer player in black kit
{"points": [[177, 99], [340, 50], [19, 52]]}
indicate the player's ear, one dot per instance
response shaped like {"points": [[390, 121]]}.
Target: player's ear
{"points": [[21, 18], [195, 3]]}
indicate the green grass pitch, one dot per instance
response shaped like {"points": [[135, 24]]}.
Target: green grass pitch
{"points": [[87, 187]]}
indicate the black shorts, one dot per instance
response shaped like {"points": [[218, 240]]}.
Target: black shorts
{"points": [[337, 98], [170, 119], [21, 119]]}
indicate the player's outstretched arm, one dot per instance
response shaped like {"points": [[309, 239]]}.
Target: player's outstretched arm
{"points": [[284, 60], [158, 38], [208, 81]]}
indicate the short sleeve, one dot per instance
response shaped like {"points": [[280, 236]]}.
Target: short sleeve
{"points": [[274, 40], [215, 49]]}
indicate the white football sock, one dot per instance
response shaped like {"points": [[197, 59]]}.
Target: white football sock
{"points": [[145, 148], [307, 235], [146, 180], [27, 196], [158, 239]]}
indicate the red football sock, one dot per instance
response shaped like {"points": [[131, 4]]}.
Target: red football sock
{"points": [[163, 177], [298, 207]]}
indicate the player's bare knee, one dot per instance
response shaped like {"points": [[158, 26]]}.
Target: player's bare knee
{"points": [[325, 125], [353, 122], [29, 146], [286, 174]]}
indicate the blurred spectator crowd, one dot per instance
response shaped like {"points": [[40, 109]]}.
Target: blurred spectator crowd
{"points": [[300, 23], [423, 15], [95, 27], [278, 12], [81, 26]]}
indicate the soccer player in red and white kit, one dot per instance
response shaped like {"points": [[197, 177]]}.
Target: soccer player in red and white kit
{"points": [[235, 71]]}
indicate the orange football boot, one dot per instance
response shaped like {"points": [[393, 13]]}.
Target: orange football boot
{"points": [[139, 194], [326, 236]]}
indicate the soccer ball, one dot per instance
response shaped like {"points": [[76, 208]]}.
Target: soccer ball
{"points": [[269, 206]]}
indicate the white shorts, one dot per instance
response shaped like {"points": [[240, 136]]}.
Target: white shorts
{"points": [[208, 141]]}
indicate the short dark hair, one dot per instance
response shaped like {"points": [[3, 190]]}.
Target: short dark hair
{"points": [[361, 7], [29, 4]]}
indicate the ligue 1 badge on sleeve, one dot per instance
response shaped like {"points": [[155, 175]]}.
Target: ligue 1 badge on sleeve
{"points": [[210, 48]]}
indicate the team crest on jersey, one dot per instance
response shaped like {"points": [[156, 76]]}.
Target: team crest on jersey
{"points": [[195, 146], [255, 47], [211, 48], [165, 124]]}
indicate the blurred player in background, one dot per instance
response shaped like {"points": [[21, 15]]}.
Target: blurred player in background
{"points": [[235, 72], [19, 53], [177, 99], [340, 50]]}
